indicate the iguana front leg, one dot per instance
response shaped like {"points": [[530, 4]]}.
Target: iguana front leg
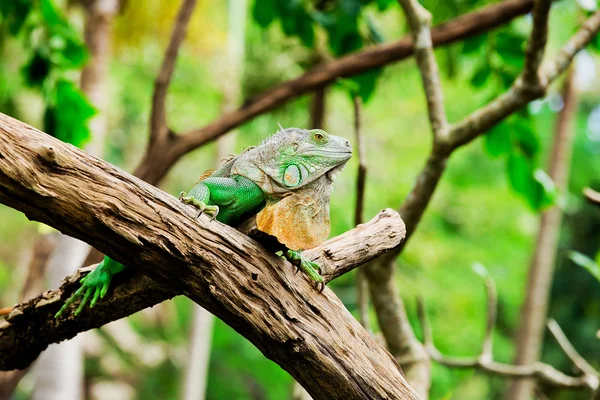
{"points": [[296, 258], [198, 197]]}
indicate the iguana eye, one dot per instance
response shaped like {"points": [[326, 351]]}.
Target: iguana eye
{"points": [[319, 136]]}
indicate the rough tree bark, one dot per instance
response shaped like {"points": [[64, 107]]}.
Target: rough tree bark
{"points": [[310, 335], [535, 309]]}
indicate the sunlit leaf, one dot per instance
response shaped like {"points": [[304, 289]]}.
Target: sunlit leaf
{"points": [[71, 114], [497, 140]]}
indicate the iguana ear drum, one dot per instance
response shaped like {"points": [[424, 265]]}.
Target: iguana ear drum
{"points": [[291, 176]]}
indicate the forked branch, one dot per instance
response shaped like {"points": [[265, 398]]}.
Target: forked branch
{"points": [[544, 373]]}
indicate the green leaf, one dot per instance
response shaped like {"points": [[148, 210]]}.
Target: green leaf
{"points": [[584, 261], [264, 12], [525, 137], [366, 83], [481, 74], [50, 14], [71, 113], [384, 4], [15, 13], [520, 172], [497, 140], [474, 43]]}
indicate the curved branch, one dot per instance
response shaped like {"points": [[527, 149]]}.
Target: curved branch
{"points": [[159, 129], [310, 335]]}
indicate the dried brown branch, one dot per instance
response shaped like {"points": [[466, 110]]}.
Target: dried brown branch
{"points": [[420, 23], [543, 373], [159, 129], [221, 269]]}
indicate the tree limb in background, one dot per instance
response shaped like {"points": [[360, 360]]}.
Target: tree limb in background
{"points": [[362, 288], [159, 159], [534, 312], [384, 291], [249, 288], [541, 372], [159, 129]]}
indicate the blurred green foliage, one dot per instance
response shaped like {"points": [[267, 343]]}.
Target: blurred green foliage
{"points": [[53, 47], [485, 209]]}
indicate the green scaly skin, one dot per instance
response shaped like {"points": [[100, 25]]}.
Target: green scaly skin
{"points": [[292, 160]]}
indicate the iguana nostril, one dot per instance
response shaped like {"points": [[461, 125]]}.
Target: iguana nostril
{"points": [[348, 144]]}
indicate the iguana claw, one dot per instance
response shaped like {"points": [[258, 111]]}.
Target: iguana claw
{"points": [[211, 211], [96, 283], [297, 260]]}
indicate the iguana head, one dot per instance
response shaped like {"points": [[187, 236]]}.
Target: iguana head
{"points": [[292, 159]]}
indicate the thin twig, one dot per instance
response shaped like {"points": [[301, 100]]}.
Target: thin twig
{"points": [[158, 119], [362, 289], [492, 308], [569, 350], [420, 22]]}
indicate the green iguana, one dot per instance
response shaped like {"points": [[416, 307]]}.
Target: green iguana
{"points": [[286, 182]]}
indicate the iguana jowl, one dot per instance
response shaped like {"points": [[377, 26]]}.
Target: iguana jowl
{"points": [[286, 181]]}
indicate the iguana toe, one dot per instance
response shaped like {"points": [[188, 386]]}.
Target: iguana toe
{"points": [[210, 210], [297, 259]]}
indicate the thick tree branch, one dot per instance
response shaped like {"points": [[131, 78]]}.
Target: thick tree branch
{"points": [[543, 373], [310, 335], [159, 129]]}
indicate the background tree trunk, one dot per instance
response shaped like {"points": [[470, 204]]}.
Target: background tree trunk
{"points": [[535, 309]]}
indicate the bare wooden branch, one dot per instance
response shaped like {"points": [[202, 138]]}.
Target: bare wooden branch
{"points": [[310, 335], [543, 373], [159, 129], [569, 350], [420, 22]]}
